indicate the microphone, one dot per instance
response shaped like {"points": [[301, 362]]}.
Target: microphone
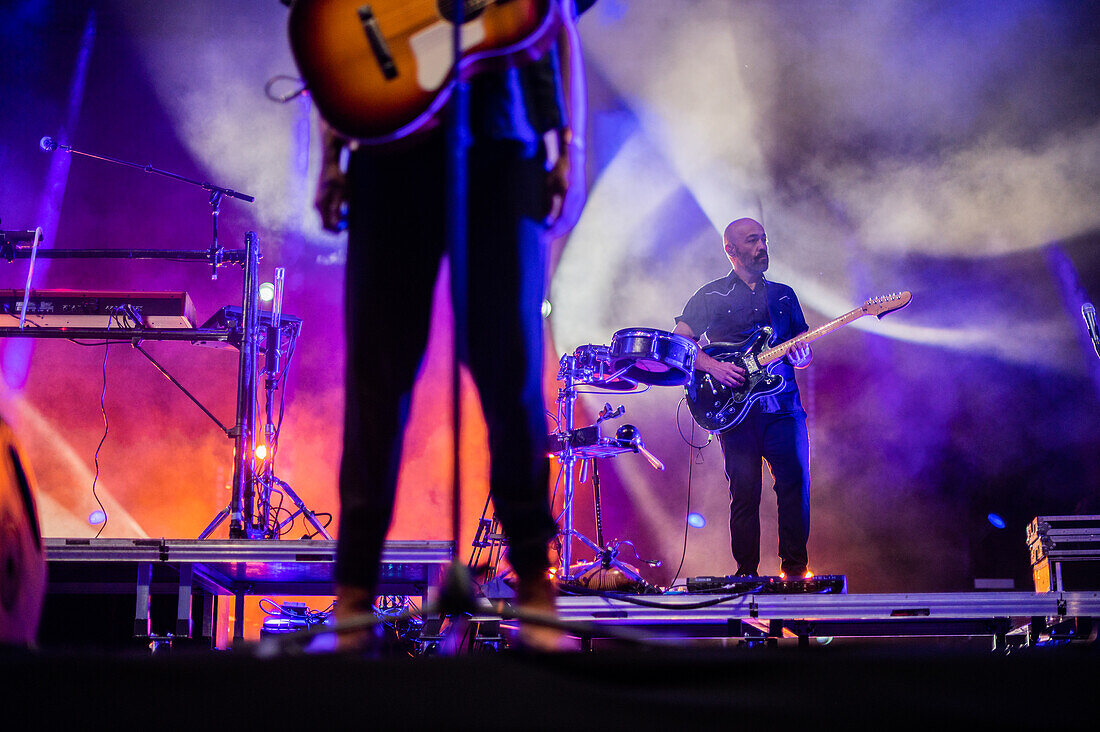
{"points": [[1088, 312], [48, 144]]}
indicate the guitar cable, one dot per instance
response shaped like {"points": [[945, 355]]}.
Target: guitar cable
{"points": [[106, 428], [691, 462]]}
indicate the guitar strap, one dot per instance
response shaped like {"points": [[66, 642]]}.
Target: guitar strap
{"points": [[769, 404]]}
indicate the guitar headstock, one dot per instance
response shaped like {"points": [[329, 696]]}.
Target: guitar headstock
{"points": [[887, 304]]}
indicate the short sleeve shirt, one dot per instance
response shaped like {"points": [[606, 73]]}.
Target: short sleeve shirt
{"points": [[729, 311]]}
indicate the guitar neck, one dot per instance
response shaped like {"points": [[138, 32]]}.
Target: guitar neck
{"points": [[777, 352]]}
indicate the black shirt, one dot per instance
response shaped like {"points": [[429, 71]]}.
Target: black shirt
{"points": [[727, 310], [518, 103]]}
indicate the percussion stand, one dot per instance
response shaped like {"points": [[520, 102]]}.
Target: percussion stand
{"points": [[571, 451]]}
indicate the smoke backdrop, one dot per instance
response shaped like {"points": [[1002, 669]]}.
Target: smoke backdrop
{"points": [[950, 149]]}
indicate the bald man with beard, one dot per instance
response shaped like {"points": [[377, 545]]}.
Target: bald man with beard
{"points": [[729, 310]]}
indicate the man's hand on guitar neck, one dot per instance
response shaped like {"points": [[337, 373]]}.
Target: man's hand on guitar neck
{"points": [[800, 355]]}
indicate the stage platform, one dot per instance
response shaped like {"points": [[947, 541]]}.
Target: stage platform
{"points": [[1023, 618], [214, 568], [695, 660]]}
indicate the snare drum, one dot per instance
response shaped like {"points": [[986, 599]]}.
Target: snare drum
{"points": [[653, 356]]}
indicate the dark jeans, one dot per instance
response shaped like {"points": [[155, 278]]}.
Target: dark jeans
{"points": [[782, 441], [396, 240]]}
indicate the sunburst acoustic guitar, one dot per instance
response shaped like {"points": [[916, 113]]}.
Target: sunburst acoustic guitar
{"points": [[380, 70]]}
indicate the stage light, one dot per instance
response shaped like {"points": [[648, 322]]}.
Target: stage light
{"points": [[696, 520], [97, 517], [261, 451], [267, 292], [996, 520], [805, 575], [546, 308]]}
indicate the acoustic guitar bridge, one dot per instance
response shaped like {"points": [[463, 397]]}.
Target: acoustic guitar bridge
{"points": [[378, 43]]}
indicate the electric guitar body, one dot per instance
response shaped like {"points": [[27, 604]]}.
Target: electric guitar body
{"points": [[381, 70], [716, 407]]}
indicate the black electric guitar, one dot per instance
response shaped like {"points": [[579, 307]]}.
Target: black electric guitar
{"points": [[716, 407], [379, 70]]}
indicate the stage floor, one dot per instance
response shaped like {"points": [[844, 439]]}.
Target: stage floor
{"points": [[243, 568], [698, 660]]}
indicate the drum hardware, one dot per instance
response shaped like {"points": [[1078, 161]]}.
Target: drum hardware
{"points": [[606, 572], [591, 366]]}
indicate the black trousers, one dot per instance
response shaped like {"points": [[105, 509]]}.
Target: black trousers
{"points": [[781, 440], [396, 240]]}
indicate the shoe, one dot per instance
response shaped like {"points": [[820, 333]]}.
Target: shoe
{"points": [[537, 596], [353, 603]]}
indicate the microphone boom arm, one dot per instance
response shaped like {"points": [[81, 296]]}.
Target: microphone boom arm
{"points": [[48, 144]]}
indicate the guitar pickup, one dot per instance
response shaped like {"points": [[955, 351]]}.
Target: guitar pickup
{"points": [[378, 43]]}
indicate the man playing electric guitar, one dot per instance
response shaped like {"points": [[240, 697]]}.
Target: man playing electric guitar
{"points": [[729, 310]]}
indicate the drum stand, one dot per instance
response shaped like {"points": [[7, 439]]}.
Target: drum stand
{"points": [[587, 445]]}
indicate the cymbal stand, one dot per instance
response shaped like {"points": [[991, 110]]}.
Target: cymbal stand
{"points": [[268, 525], [584, 445]]}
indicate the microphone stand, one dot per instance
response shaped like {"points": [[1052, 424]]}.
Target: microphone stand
{"points": [[457, 595], [48, 144]]}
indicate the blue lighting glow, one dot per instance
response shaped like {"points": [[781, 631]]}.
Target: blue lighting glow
{"points": [[696, 520], [996, 520], [96, 517]]}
